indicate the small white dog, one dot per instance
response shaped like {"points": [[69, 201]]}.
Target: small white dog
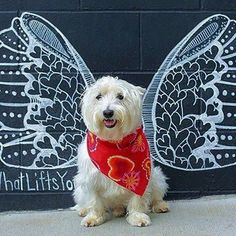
{"points": [[111, 110]]}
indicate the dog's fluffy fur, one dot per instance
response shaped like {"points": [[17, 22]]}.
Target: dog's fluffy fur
{"points": [[95, 194]]}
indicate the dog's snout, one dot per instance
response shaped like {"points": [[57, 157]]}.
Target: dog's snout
{"points": [[108, 113]]}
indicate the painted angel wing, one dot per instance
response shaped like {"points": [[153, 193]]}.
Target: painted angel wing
{"points": [[190, 105], [42, 78]]}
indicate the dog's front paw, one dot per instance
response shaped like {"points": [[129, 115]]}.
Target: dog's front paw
{"points": [[93, 220], [138, 219], [160, 207]]}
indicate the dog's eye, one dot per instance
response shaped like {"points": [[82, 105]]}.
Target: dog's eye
{"points": [[120, 96], [99, 96]]}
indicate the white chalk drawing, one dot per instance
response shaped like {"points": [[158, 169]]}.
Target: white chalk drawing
{"points": [[189, 109], [42, 78], [190, 106]]}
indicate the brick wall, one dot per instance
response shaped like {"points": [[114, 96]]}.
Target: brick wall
{"points": [[129, 39]]}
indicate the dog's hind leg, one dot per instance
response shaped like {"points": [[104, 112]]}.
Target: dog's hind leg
{"points": [[83, 211], [81, 198], [159, 188]]}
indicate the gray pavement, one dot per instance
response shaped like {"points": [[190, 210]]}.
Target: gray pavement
{"points": [[208, 216]]}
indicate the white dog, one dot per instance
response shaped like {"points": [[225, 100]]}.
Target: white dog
{"points": [[111, 110]]}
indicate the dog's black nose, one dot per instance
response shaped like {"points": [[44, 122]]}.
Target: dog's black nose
{"points": [[108, 113]]}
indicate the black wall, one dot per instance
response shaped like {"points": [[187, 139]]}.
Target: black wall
{"points": [[129, 39]]}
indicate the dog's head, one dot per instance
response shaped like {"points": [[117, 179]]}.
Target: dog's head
{"points": [[112, 108]]}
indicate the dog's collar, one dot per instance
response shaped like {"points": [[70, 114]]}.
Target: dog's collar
{"points": [[126, 162]]}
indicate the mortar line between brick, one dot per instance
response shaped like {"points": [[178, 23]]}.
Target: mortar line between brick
{"points": [[125, 10], [140, 43], [207, 11], [201, 4], [124, 72]]}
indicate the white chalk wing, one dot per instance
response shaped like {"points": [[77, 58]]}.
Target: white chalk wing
{"points": [[190, 105], [42, 78]]}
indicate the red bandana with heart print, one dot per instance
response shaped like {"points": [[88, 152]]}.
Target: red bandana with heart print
{"points": [[126, 162]]}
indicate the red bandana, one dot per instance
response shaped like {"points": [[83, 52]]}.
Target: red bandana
{"points": [[126, 162]]}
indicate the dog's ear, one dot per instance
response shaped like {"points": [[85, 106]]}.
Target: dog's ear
{"points": [[141, 90]]}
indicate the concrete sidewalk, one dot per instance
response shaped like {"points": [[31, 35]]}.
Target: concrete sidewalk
{"points": [[208, 216]]}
